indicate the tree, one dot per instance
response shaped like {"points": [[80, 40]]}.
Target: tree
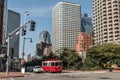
{"points": [[101, 54], [50, 56], [34, 62], [70, 59]]}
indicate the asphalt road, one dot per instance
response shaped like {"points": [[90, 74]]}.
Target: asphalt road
{"points": [[71, 76]]}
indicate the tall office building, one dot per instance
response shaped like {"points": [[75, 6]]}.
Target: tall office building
{"points": [[45, 37], [66, 25], [12, 24], [44, 45], [86, 24], [106, 15]]}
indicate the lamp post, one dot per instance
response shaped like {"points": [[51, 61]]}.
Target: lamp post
{"points": [[23, 54], [25, 17]]}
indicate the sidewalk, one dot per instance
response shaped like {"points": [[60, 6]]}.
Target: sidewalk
{"points": [[11, 74]]}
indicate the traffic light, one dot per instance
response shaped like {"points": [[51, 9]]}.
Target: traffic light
{"points": [[24, 30], [12, 52], [32, 25]]}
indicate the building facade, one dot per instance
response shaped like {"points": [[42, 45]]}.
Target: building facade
{"points": [[86, 24], [44, 45], [45, 37], [106, 15], [3, 20], [84, 42], [12, 24], [42, 49], [65, 25]]}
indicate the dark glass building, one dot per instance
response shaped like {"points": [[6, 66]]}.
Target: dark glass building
{"points": [[86, 24], [45, 37], [44, 45]]}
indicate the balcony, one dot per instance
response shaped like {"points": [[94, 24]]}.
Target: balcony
{"points": [[110, 29], [115, 16], [110, 33], [116, 24], [109, 7], [116, 31], [115, 2], [116, 27]]}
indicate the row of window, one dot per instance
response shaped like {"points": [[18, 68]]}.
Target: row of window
{"points": [[106, 37]]}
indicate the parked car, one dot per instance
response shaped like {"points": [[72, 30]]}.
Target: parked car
{"points": [[30, 68], [37, 69]]}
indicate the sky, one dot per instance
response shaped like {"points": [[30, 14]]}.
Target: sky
{"points": [[40, 11]]}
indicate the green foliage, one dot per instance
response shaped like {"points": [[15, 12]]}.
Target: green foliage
{"points": [[101, 54], [38, 62], [50, 56], [34, 62], [98, 57], [70, 59]]}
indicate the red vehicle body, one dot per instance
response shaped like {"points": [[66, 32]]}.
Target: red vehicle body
{"points": [[52, 65]]}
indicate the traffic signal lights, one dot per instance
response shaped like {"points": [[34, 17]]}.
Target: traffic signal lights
{"points": [[12, 52], [32, 25], [24, 30]]}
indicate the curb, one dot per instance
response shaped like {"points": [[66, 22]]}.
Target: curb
{"points": [[12, 75]]}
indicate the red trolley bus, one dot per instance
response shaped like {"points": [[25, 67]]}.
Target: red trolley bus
{"points": [[52, 65]]}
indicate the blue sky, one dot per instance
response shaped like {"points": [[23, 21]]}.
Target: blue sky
{"points": [[41, 12]]}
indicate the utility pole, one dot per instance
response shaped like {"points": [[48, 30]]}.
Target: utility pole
{"points": [[24, 46], [7, 64], [8, 47]]}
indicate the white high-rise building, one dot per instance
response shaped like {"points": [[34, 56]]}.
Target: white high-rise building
{"points": [[66, 25], [106, 14]]}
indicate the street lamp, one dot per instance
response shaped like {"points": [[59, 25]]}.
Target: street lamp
{"points": [[24, 45]]}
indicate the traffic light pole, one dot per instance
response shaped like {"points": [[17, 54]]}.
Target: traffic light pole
{"points": [[23, 48], [7, 67], [8, 47]]}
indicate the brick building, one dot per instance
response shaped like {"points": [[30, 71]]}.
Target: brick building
{"points": [[84, 41]]}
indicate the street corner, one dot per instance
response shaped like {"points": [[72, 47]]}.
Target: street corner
{"points": [[11, 75]]}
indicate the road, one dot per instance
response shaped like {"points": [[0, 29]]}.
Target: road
{"points": [[71, 76]]}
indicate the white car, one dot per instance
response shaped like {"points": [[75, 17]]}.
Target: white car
{"points": [[37, 69]]}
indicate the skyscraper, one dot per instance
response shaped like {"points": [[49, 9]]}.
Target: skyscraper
{"points": [[44, 45], [86, 24], [106, 14], [66, 25], [45, 37], [12, 24]]}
